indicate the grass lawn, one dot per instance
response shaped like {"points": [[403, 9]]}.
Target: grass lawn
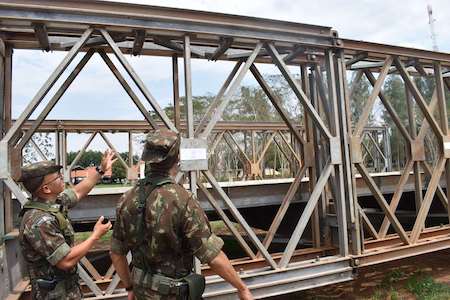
{"points": [[396, 285]]}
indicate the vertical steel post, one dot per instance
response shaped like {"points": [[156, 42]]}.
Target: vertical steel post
{"points": [[341, 198], [388, 151], [351, 199], [130, 173], [189, 106], [418, 196], [57, 144], [7, 123], [190, 118], [2, 125], [176, 92], [318, 164], [443, 120], [66, 172], [130, 149]]}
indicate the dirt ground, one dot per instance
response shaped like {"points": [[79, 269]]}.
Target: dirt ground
{"points": [[393, 280]]}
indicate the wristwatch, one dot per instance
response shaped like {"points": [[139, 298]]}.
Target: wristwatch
{"points": [[99, 170]]}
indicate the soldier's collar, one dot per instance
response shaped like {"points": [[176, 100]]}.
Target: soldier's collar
{"points": [[50, 203]]}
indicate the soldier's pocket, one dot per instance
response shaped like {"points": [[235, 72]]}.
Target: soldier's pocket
{"points": [[59, 292]]}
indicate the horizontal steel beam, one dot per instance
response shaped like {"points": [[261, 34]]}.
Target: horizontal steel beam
{"points": [[86, 126], [299, 276], [376, 50], [397, 251], [245, 194], [72, 15]]}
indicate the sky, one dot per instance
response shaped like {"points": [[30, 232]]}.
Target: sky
{"points": [[96, 94]]}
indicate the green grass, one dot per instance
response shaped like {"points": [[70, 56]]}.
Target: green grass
{"points": [[420, 284], [392, 278], [82, 236], [424, 287], [386, 288]]}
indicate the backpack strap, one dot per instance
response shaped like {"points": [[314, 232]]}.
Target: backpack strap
{"points": [[142, 201], [143, 195]]}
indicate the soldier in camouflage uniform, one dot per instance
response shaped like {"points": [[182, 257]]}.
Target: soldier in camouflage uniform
{"points": [[164, 227], [46, 235]]}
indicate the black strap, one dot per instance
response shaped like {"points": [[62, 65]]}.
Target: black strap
{"points": [[142, 201]]}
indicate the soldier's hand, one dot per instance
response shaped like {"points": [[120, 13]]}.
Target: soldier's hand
{"points": [[131, 295], [245, 294], [107, 160], [100, 229]]}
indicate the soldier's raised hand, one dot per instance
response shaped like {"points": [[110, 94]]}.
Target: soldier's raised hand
{"points": [[100, 229], [108, 160]]}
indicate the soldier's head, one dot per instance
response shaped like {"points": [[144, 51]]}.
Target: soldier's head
{"points": [[42, 179], [161, 150]]}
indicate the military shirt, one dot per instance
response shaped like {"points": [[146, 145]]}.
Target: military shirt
{"points": [[176, 229], [44, 244]]}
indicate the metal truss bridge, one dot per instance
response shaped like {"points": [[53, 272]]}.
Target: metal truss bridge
{"points": [[340, 192]]}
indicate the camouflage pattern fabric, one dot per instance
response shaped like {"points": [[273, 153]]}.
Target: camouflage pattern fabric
{"points": [[39, 169], [160, 146], [44, 244], [176, 229]]}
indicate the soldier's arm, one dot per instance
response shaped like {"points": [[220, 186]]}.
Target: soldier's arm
{"points": [[79, 251], [85, 186], [121, 265], [221, 266], [202, 242], [207, 247]]}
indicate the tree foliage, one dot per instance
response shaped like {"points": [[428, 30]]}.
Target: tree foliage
{"points": [[45, 143]]}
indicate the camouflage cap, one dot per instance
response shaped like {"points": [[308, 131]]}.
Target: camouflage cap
{"points": [[33, 174], [161, 145]]}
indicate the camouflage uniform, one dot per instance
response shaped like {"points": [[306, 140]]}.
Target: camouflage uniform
{"points": [[45, 241], [175, 227]]}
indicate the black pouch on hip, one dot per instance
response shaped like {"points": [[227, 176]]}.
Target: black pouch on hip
{"points": [[196, 285]]}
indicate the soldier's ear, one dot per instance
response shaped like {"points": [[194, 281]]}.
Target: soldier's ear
{"points": [[45, 189]]}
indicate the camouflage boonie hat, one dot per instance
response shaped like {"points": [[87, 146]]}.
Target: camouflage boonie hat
{"points": [[161, 145], [33, 174]]}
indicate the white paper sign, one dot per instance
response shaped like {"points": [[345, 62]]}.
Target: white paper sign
{"points": [[142, 171], [193, 154]]}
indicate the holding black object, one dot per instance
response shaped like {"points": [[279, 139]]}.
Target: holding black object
{"points": [[105, 220]]}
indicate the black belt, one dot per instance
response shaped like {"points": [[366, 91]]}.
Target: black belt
{"points": [[159, 283]]}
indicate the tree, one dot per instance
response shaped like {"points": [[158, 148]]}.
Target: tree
{"points": [[251, 104], [289, 100], [89, 158], [359, 97], [199, 104], [45, 143], [394, 91], [119, 171]]}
